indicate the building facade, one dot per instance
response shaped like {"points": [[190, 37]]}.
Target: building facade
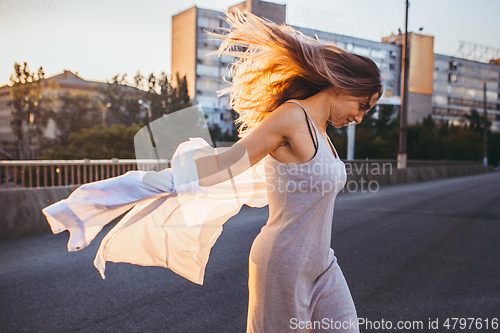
{"points": [[459, 88], [448, 88]]}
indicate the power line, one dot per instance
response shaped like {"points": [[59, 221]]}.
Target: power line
{"points": [[477, 52], [430, 19]]}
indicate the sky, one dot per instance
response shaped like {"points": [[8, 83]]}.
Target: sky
{"points": [[102, 38]]}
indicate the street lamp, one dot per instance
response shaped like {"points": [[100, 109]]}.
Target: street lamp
{"points": [[404, 97], [147, 105], [104, 114]]}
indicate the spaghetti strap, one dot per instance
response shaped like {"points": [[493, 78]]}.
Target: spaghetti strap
{"points": [[308, 126], [328, 142]]}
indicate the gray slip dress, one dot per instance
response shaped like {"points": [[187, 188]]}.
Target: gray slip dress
{"points": [[295, 283]]}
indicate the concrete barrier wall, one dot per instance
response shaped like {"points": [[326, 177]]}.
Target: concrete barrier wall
{"points": [[21, 209], [383, 176]]}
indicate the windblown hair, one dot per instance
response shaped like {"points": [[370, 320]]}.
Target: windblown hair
{"points": [[276, 63]]}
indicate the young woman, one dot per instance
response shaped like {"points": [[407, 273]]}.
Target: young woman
{"points": [[286, 88]]}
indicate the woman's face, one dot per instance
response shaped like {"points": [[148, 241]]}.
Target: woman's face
{"points": [[345, 108]]}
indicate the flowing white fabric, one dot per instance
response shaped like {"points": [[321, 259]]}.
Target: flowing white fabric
{"points": [[173, 222]]}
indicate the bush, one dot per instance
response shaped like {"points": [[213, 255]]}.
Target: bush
{"points": [[116, 141]]}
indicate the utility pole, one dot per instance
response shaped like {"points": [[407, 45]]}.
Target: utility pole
{"points": [[351, 133], [485, 129], [106, 108], [404, 97]]}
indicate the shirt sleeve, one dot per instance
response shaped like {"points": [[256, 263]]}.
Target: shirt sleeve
{"points": [[172, 227]]}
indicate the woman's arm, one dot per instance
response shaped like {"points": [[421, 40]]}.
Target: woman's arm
{"points": [[271, 132]]}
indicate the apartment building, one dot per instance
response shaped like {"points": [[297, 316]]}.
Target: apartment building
{"points": [[460, 86], [448, 88]]}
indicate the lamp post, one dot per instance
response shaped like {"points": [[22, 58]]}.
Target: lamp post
{"points": [[147, 105], [485, 122], [404, 97], [104, 114]]}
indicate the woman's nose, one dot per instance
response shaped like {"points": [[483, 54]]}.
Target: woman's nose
{"points": [[358, 118]]}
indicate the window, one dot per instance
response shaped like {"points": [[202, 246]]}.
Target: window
{"points": [[440, 99], [492, 85], [378, 54], [452, 78], [227, 59], [453, 65], [208, 102], [202, 22], [440, 76], [392, 67], [226, 117], [224, 103], [491, 95], [207, 85], [213, 118], [457, 90], [361, 50], [206, 70], [440, 87]]}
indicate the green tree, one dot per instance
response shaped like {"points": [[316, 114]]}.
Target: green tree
{"points": [[339, 139], [75, 112], [165, 98], [31, 107], [494, 148], [476, 121], [138, 78], [376, 136], [215, 133], [386, 120], [180, 94], [122, 100], [463, 144], [159, 95], [115, 141], [424, 141]]}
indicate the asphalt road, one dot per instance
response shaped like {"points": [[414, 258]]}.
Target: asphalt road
{"points": [[411, 253]]}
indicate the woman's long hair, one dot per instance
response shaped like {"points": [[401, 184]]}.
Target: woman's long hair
{"points": [[276, 63]]}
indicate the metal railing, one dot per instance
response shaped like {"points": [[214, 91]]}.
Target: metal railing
{"points": [[49, 173], [39, 174]]}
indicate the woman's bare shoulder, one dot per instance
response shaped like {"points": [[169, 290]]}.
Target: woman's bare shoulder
{"points": [[279, 127], [286, 118]]}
